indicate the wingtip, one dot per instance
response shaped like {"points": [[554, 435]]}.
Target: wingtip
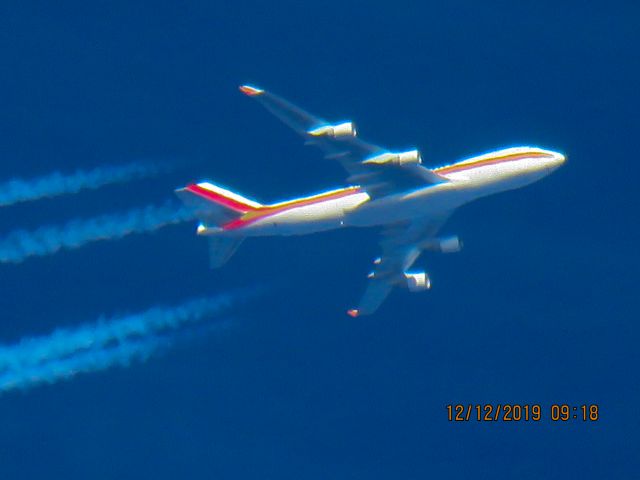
{"points": [[250, 91], [354, 312]]}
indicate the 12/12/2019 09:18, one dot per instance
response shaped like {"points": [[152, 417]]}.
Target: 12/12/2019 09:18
{"points": [[521, 412]]}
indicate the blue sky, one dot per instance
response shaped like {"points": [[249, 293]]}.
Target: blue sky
{"points": [[540, 307]]}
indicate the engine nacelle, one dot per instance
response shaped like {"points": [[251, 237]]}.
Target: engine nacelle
{"points": [[450, 244], [207, 230], [412, 157], [417, 281], [347, 129]]}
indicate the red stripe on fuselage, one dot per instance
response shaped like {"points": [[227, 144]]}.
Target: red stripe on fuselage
{"points": [[459, 167], [267, 211], [220, 199]]}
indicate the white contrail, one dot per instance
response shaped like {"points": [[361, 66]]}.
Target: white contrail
{"points": [[65, 341], [105, 343], [58, 369], [24, 190], [19, 245]]}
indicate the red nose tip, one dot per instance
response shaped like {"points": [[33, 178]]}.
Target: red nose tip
{"points": [[251, 91]]}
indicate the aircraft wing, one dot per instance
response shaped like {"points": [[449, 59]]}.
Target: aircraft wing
{"points": [[401, 245], [377, 170]]}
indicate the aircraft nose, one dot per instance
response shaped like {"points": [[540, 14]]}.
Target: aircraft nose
{"points": [[556, 160]]}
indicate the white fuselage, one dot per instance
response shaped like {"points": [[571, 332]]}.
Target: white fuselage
{"points": [[467, 180]]}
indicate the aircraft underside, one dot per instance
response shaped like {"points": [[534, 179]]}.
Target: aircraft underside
{"points": [[393, 190]]}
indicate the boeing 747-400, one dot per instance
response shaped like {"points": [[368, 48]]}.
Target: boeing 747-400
{"points": [[387, 189]]}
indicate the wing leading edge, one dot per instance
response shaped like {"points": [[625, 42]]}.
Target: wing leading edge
{"points": [[377, 170], [401, 245]]}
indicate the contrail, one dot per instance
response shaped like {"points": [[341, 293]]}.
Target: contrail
{"points": [[19, 245], [105, 343], [20, 190], [57, 369], [62, 342]]}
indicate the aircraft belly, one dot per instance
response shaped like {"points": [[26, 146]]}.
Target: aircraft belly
{"points": [[294, 223], [307, 219], [434, 200], [488, 180]]}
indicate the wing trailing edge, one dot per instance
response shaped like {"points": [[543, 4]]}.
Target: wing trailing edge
{"points": [[377, 170]]}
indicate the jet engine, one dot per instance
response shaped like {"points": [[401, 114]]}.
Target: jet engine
{"points": [[417, 281], [450, 244], [412, 157], [347, 129]]}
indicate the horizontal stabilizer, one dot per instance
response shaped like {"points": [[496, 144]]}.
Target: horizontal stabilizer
{"points": [[221, 249]]}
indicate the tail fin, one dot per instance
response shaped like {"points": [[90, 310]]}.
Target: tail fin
{"points": [[217, 206], [214, 204]]}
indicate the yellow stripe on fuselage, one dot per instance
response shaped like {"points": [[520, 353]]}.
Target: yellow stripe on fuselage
{"points": [[268, 210], [490, 160]]}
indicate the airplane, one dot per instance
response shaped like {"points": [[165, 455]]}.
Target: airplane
{"points": [[386, 188]]}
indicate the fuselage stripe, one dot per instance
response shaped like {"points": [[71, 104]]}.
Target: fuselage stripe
{"points": [[251, 215], [270, 210], [459, 167]]}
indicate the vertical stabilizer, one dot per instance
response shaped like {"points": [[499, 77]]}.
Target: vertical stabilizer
{"points": [[215, 205]]}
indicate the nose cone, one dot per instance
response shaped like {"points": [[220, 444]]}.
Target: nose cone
{"points": [[559, 159], [554, 160]]}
